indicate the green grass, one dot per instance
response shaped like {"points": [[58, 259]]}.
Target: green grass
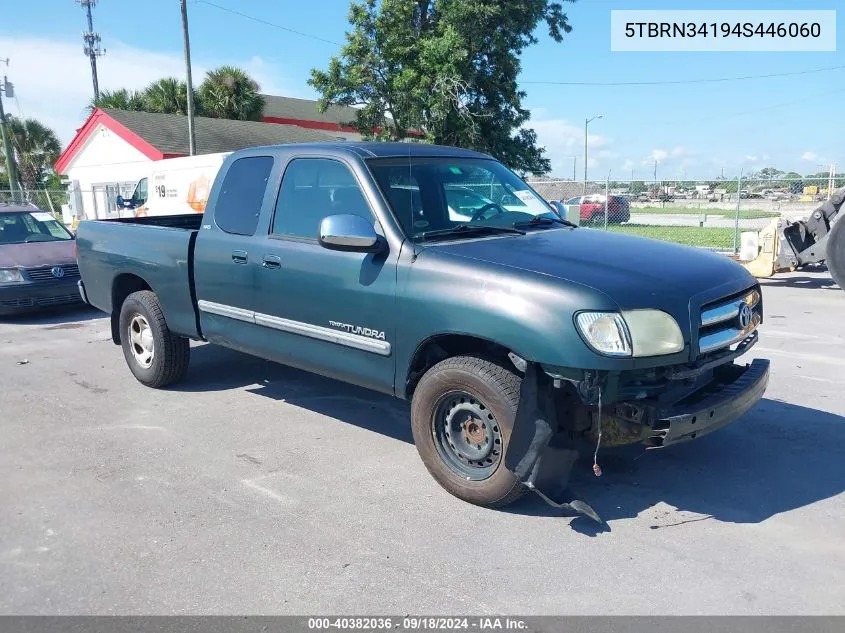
{"points": [[745, 214], [688, 235]]}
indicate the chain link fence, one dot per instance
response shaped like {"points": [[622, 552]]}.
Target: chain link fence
{"points": [[709, 214]]}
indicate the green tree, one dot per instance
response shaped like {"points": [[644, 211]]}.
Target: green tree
{"points": [[230, 93], [770, 173], [36, 148], [121, 99], [168, 95], [445, 68]]}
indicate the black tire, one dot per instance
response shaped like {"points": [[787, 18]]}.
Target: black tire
{"points": [[497, 390], [835, 255], [171, 353]]}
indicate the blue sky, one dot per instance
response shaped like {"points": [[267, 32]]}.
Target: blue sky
{"points": [[794, 123]]}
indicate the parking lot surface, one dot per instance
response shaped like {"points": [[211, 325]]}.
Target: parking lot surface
{"points": [[257, 489]]}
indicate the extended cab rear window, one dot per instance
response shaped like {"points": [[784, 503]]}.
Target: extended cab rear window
{"points": [[239, 203]]}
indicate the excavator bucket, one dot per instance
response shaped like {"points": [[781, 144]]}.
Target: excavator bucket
{"points": [[786, 245], [766, 243]]}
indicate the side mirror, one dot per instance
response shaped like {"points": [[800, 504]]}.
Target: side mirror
{"points": [[120, 201], [347, 232]]}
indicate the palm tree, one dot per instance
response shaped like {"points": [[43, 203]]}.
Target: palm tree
{"points": [[36, 148], [229, 93], [168, 95], [121, 99]]}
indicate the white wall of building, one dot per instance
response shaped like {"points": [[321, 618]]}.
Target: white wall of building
{"points": [[105, 160]]}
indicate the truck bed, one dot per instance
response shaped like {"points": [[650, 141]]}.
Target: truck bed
{"points": [[122, 255], [190, 221]]}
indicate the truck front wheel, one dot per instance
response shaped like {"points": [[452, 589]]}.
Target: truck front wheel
{"points": [[156, 356], [462, 414]]}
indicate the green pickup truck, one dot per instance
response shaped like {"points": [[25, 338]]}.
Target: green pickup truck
{"points": [[436, 275]]}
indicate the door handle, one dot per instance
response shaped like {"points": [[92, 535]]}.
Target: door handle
{"points": [[271, 261], [239, 257]]}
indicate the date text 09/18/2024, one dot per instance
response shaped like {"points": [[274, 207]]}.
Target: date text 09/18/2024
{"points": [[411, 623]]}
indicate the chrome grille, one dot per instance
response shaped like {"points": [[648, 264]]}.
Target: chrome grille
{"points": [[45, 273], [729, 321]]}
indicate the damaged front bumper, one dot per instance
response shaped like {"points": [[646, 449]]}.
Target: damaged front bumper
{"points": [[702, 412]]}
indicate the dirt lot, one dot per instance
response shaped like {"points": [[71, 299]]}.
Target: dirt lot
{"points": [[253, 488]]}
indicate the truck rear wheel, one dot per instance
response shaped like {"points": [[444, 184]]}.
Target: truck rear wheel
{"points": [[835, 255], [462, 414], [156, 356]]}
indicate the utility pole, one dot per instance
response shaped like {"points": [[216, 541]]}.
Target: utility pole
{"points": [[11, 170], [192, 139], [586, 123], [92, 45]]}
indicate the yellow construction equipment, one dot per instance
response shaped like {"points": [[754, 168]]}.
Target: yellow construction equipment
{"points": [[785, 245]]}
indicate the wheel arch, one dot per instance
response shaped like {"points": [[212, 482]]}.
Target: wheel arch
{"points": [[438, 347], [123, 285]]}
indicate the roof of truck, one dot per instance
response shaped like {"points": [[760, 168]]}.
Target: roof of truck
{"points": [[379, 149]]}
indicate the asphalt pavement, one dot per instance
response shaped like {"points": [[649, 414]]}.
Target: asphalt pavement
{"points": [[257, 489]]}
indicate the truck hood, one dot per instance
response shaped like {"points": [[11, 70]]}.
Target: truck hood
{"points": [[37, 254], [635, 272]]}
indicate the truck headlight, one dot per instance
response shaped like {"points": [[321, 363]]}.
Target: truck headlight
{"points": [[653, 332], [632, 333], [10, 275], [605, 332]]}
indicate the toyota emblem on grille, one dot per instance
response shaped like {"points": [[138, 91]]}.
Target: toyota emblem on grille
{"points": [[57, 271], [744, 316]]}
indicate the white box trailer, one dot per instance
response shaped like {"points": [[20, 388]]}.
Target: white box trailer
{"points": [[175, 186]]}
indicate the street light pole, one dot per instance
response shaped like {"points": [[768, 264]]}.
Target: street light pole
{"points": [[586, 123], [192, 139], [8, 153]]}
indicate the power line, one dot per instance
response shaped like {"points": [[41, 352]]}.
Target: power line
{"points": [[726, 116], [266, 23], [683, 81]]}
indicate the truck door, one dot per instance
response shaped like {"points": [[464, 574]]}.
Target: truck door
{"points": [[306, 294], [227, 255]]}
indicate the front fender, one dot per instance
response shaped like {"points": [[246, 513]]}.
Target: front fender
{"points": [[529, 314]]}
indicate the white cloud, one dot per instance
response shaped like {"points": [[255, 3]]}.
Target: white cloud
{"points": [[750, 158], [53, 79], [809, 156], [563, 140]]}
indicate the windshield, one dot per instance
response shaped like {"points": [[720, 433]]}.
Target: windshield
{"points": [[36, 226], [430, 196]]}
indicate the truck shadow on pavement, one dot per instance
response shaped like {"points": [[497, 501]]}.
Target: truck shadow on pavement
{"points": [[215, 368], [777, 458]]}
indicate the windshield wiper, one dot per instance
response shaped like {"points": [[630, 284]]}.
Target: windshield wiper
{"points": [[469, 228], [539, 219]]}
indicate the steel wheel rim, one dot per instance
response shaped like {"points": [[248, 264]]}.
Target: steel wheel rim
{"points": [[141, 341], [467, 436]]}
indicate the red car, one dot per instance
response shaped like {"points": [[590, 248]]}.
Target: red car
{"points": [[592, 209]]}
